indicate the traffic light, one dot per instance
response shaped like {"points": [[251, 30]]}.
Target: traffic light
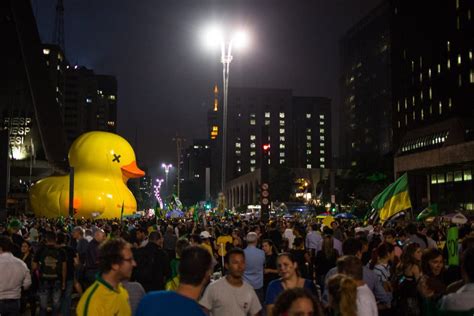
{"points": [[266, 148], [333, 208]]}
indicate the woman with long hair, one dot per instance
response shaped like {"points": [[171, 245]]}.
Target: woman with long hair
{"points": [[297, 302], [270, 271], [343, 295], [325, 259], [432, 284], [289, 279], [382, 257], [406, 298]]}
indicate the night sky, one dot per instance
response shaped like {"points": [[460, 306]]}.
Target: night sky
{"points": [[165, 74]]}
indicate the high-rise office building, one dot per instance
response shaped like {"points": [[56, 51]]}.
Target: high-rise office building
{"points": [[366, 133], [91, 102], [432, 92]]}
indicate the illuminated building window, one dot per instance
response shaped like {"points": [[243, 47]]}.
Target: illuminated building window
{"points": [[448, 45], [398, 106], [430, 92], [238, 152], [308, 151], [46, 51], [238, 145], [321, 130], [449, 64], [422, 114], [252, 169], [252, 137], [282, 115], [308, 137], [308, 130], [282, 138], [413, 100], [267, 122], [308, 166], [253, 161], [88, 100], [429, 73], [57, 67], [267, 114], [421, 95], [282, 146], [252, 154], [308, 115], [354, 163], [471, 76], [111, 97], [321, 122], [439, 68], [440, 107], [111, 123], [282, 122], [421, 77], [282, 131], [322, 159], [252, 121], [322, 166], [450, 103], [467, 175], [308, 145], [412, 66], [282, 161], [214, 132], [470, 52], [457, 4], [321, 138], [239, 169], [321, 144], [322, 151], [321, 116], [282, 154], [457, 176], [406, 103], [459, 59], [252, 145], [398, 123]]}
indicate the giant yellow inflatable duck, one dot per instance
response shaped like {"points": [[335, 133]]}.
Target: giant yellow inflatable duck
{"points": [[103, 162]]}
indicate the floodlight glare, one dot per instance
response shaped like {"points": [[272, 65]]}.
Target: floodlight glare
{"points": [[240, 39], [213, 36]]}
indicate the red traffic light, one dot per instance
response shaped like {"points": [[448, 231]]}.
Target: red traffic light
{"points": [[266, 147]]}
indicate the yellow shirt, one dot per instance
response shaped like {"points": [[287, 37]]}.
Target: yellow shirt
{"points": [[100, 299], [221, 243], [208, 248]]}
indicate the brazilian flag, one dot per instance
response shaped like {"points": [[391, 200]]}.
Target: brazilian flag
{"points": [[394, 199]]}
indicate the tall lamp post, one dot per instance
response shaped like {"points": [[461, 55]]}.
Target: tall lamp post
{"points": [[237, 39], [167, 168]]}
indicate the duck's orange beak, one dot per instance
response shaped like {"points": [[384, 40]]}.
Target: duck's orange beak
{"points": [[131, 171]]}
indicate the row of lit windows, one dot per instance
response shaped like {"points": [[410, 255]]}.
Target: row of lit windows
{"points": [[422, 113], [434, 139], [456, 176], [309, 166]]}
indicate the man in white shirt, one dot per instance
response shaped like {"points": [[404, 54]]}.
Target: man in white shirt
{"points": [[231, 295], [289, 235], [15, 275], [352, 266], [314, 240]]}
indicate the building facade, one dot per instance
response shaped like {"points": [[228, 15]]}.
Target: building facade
{"points": [[366, 92]]}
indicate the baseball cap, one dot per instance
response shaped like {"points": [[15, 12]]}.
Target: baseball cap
{"points": [[205, 235]]}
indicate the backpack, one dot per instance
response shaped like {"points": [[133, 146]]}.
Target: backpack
{"points": [[50, 264]]}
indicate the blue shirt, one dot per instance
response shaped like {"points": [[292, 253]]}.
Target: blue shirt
{"points": [[168, 303], [254, 263], [314, 240], [276, 287]]}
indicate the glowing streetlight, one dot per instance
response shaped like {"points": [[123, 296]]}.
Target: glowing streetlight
{"points": [[215, 36], [167, 168]]}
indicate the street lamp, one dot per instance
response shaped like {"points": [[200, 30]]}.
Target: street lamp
{"points": [[240, 39], [167, 168]]}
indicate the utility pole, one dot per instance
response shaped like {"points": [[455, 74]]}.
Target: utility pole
{"points": [[179, 142], [58, 32]]}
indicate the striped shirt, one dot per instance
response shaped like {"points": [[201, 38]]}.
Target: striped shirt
{"points": [[102, 299]]}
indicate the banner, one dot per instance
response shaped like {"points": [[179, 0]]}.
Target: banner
{"points": [[453, 248]]}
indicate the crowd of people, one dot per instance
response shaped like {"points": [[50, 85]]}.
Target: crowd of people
{"points": [[232, 266]]}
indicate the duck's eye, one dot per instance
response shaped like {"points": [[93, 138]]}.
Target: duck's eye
{"points": [[116, 158]]}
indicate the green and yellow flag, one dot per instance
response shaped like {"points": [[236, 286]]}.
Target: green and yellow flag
{"points": [[394, 199]]}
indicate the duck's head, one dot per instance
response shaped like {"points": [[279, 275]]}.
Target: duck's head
{"points": [[104, 153]]}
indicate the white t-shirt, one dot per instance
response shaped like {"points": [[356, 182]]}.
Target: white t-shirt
{"points": [[221, 298], [366, 304]]}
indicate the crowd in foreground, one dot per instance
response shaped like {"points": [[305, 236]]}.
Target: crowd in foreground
{"points": [[230, 266]]}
